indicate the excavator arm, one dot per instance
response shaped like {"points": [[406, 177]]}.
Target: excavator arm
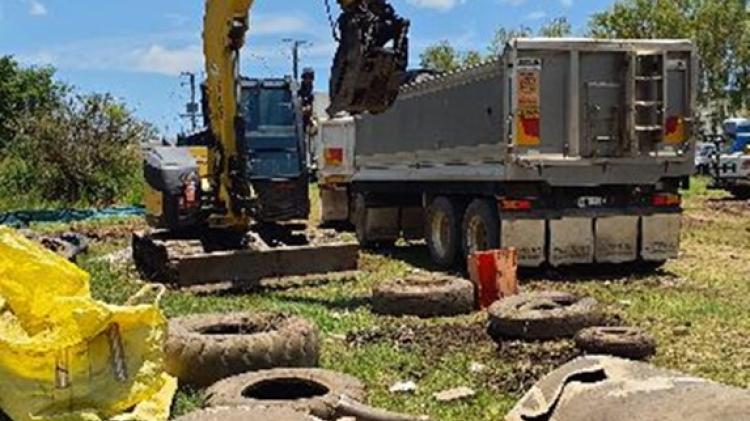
{"points": [[366, 74]]}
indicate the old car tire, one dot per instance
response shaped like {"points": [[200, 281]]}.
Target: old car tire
{"points": [[424, 296], [244, 414], [624, 342], [203, 349], [541, 316], [480, 227], [309, 391], [443, 232]]}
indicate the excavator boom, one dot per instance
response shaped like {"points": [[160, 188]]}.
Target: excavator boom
{"points": [[365, 77], [201, 200]]}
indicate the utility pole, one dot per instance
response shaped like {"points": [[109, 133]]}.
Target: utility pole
{"points": [[296, 44], [191, 108]]}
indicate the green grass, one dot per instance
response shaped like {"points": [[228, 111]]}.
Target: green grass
{"points": [[696, 307]]}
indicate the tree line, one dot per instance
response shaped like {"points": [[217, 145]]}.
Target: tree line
{"points": [[61, 147]]}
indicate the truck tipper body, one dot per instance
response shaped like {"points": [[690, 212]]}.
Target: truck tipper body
{"points": [[572, 151]]}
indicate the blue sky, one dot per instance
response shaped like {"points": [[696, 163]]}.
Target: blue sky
{"points": [[136, 49]]}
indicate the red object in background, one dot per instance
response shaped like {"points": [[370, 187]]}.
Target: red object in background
{"points": [[495, 275]]}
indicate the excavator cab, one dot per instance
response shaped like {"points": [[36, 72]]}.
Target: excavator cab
{"points": [[371, 59]]}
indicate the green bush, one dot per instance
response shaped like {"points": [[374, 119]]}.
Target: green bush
{"points": [[77, 150]]}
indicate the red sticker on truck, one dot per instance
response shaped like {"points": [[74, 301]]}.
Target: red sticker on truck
{"points": [[528, 106]]}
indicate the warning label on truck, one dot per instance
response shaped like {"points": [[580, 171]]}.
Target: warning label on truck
{"points": [[528, 107]]}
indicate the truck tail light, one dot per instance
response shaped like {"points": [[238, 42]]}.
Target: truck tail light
{"points": [[334, 156], [516, 204], [663, 200]]}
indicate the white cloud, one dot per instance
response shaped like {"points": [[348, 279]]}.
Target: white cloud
{"points": [[36, 8], [168, 61], [439, 5], [514, 3], [536, 15], [277, 25]]}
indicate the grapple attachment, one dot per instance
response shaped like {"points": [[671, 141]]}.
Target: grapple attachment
{"points": [[371, 59]]}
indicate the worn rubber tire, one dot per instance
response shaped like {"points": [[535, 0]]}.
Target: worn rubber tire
{"points": [[541, 316], [480, 212], [244, 414], [625, 342], [446, 255], [424, 296], [199, 358], [234, 391]]}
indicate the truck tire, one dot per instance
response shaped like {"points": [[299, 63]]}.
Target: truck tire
{"points": [[308, 391], [443, 232], [424, 296], [244, 414], [541, 316], [625, 342], [481, 227], [203, 349]]}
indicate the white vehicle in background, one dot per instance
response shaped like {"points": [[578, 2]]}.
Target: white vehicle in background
{"points": [[733, 164], [705, 155]]}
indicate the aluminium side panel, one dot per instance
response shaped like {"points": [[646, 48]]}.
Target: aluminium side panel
{"points": [[452, 120]]}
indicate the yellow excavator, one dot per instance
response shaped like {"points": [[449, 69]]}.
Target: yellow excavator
{"points": [[200, 198]]}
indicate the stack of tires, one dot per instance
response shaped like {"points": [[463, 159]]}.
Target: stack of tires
{"points": [[255, 366]]}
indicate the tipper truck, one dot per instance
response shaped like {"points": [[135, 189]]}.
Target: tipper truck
{"points": [[572, 151]]}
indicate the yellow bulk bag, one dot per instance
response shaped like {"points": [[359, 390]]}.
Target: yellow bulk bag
{"points": [[65, 356]]}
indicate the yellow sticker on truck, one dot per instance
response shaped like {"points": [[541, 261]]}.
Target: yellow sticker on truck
{"points": [[528, 103]]}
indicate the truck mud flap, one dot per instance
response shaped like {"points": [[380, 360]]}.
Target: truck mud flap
{"points": [[382, 224], [617, 239], [571, 241], [660, 237], [528, 237], [334, 203]]}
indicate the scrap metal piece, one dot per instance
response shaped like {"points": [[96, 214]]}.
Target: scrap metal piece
{"points": [[604, 388]]}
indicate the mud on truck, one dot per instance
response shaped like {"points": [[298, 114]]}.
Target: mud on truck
{"points": [[573, 151]]}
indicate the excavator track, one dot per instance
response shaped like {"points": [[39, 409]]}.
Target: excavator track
{"points": [[217, 257]]}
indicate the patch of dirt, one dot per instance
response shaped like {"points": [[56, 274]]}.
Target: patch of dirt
{"points": [[529, 361], [729, 206], [118, 231], [434, 340]]}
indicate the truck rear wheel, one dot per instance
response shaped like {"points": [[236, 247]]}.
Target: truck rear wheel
{"points": [[481, 227], [443, 231]]}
